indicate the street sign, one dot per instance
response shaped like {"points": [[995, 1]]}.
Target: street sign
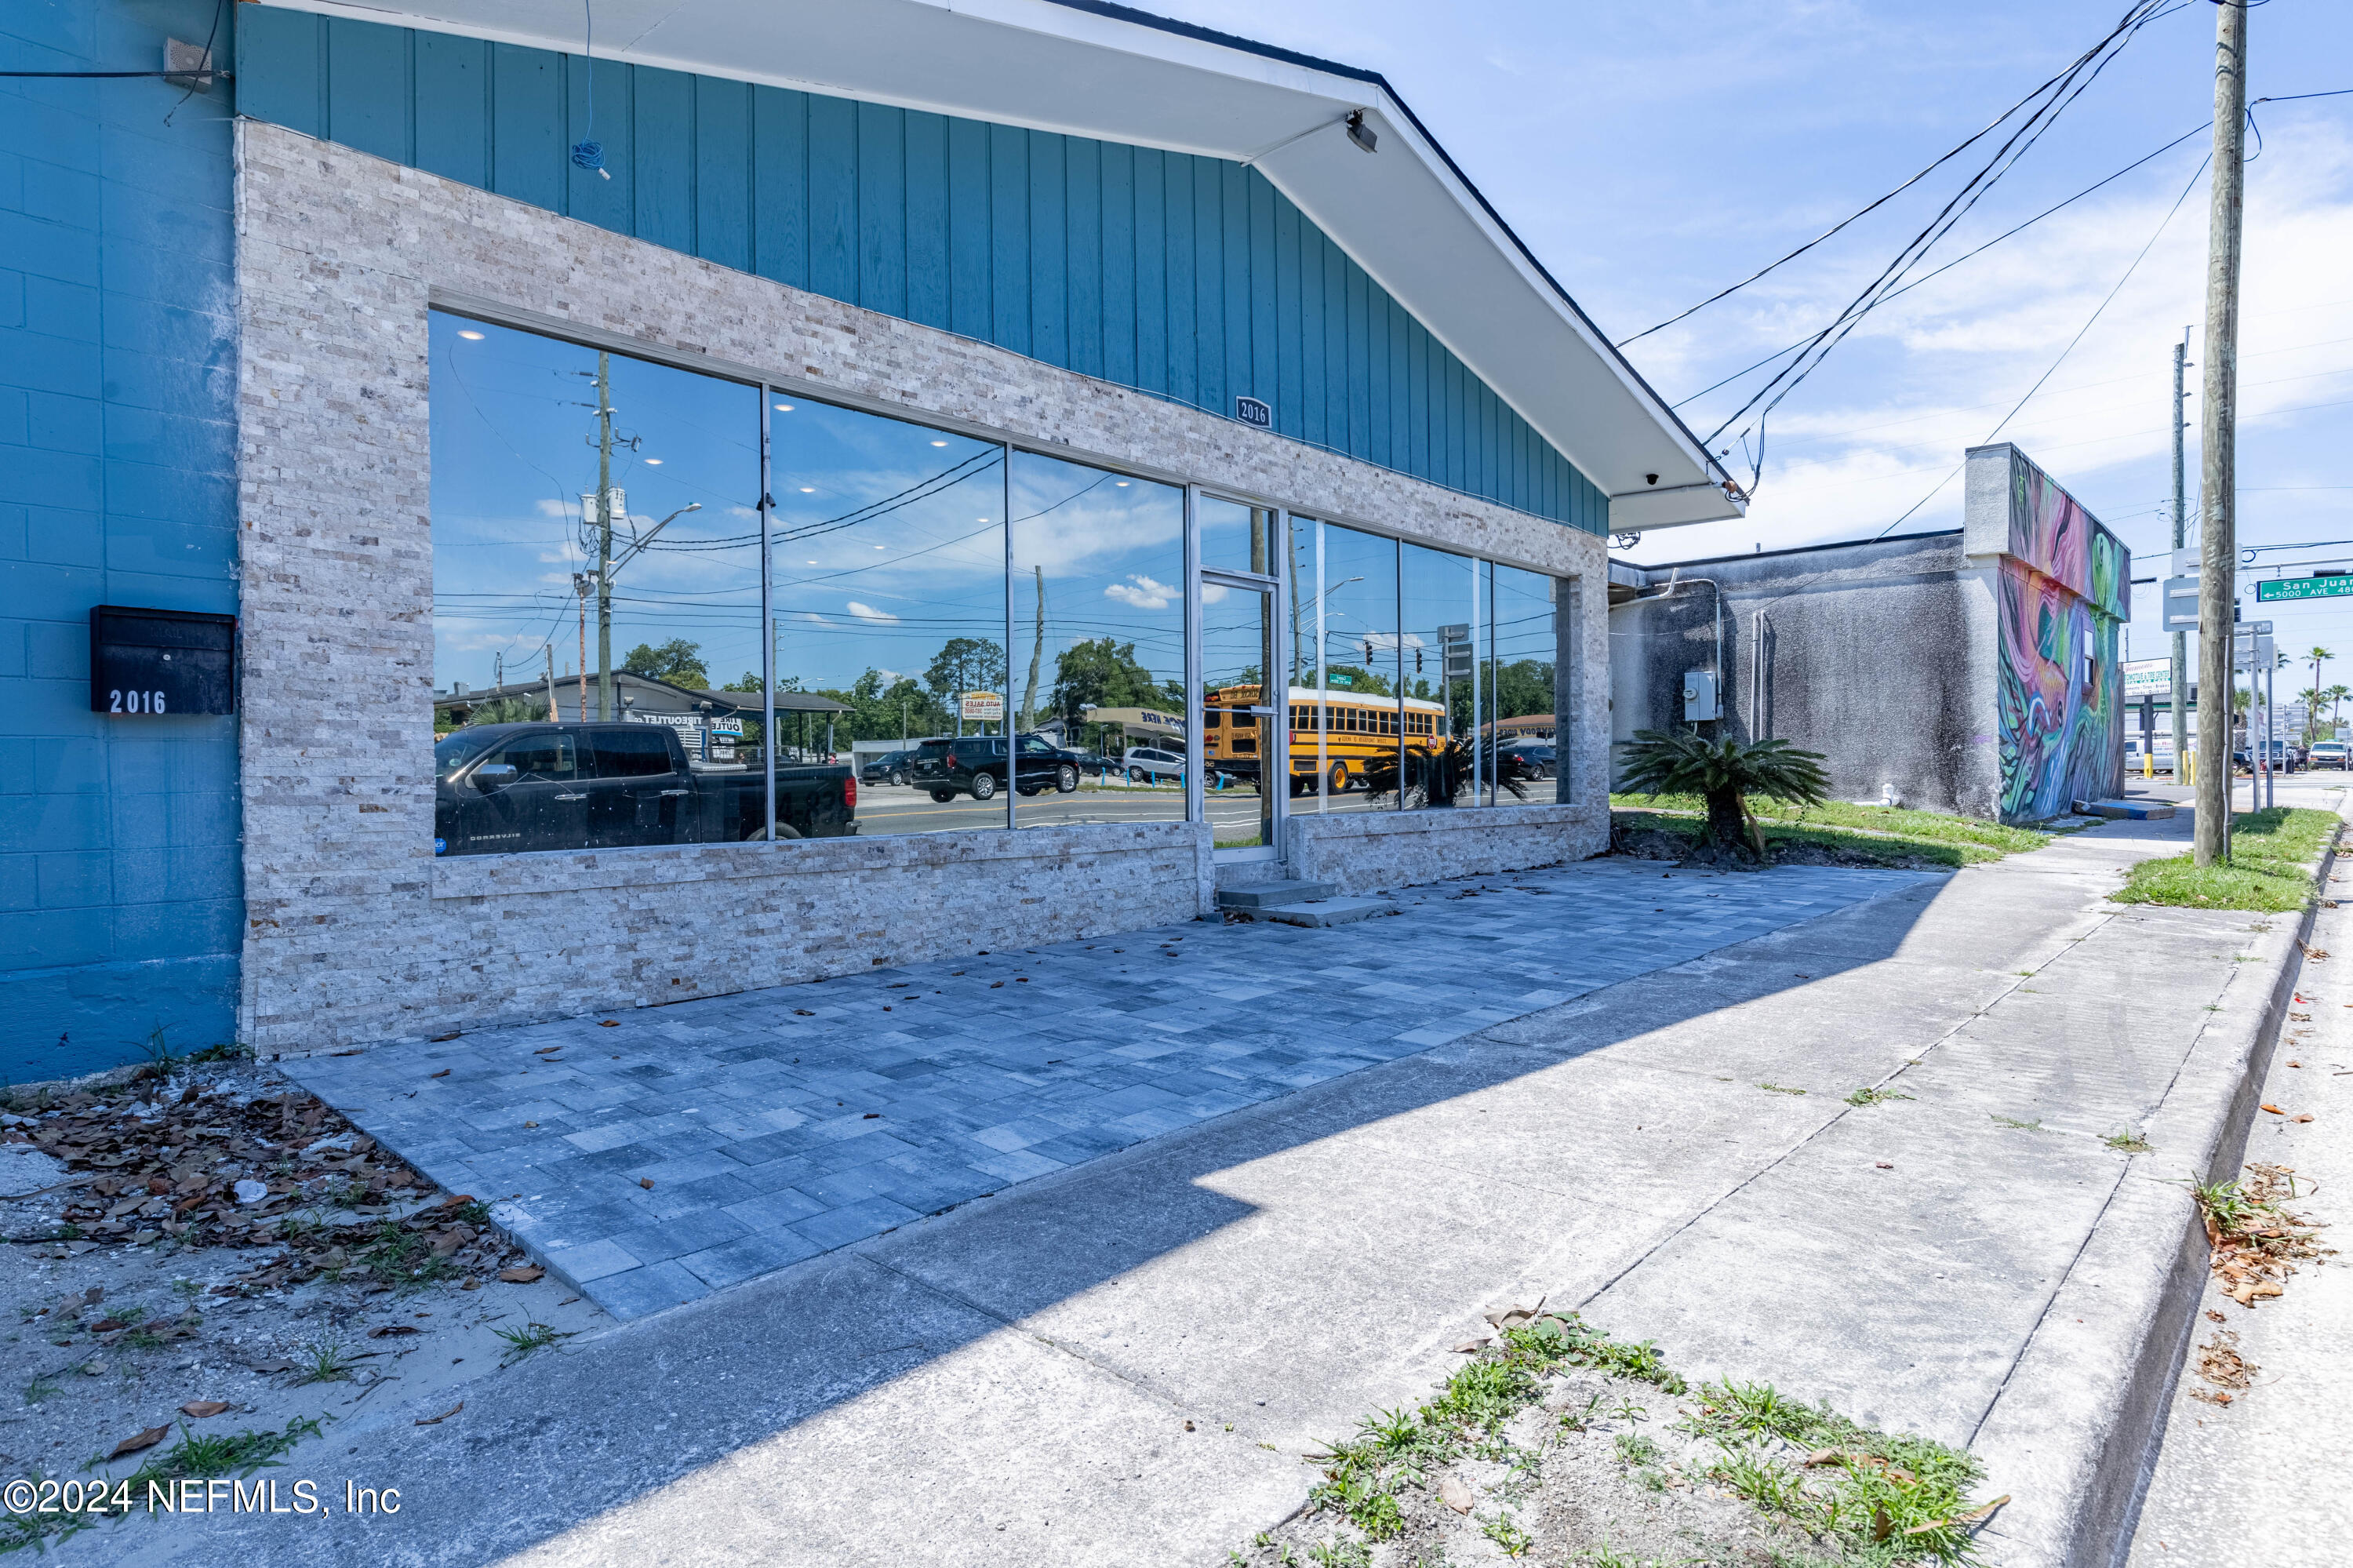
{"points": [[2148, 678], [2257, 653], [2180, 604], [2247, 629], [1454, 644], [2278, 589]]}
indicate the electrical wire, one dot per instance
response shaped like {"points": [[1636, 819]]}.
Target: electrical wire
{"points": [[2071, 86], [2200, 129], [2162, 225], [2127, 23]]}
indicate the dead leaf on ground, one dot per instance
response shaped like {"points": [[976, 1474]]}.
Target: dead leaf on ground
{"points": [[201, 1408], [610, 1023], [1467, 1346], [1454, 1494], [523, 1274], [385, 1331], [2305, 1117], [442, 1073], [147, 1439], [647, 1182], [438, 1420], [2273, 1108]]}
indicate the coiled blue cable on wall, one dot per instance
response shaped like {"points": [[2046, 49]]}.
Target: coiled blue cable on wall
{"points": [[588, 153]]}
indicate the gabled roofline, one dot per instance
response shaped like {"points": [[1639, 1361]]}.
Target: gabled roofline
{"points": [[1663, 409]]}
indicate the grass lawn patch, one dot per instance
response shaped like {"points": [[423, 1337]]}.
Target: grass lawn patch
{"points": [[1481, 1459], [1851, 848], [2270, 868], [1938, 826]]}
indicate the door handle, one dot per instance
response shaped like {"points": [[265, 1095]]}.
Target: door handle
{"points": [[583, 796], [675, 791]]}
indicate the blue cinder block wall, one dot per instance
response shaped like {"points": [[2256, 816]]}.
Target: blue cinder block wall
{"points": [[120, 895]]}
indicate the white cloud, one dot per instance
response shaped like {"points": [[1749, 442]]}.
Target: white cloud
{"points": [[1212, 594], [1142, 592], [867, 612]]}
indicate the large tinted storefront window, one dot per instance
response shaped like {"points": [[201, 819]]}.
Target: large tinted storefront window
{"points": [[1440, 613], [890, 603], [596, 600], [1345, 734], [1099, 645], [1522, 696]]}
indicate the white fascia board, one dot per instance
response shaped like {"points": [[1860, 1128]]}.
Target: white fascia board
{"points": [[1404, 214]]}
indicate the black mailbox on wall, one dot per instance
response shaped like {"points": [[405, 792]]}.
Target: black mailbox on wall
{"points": [[162, 661]]}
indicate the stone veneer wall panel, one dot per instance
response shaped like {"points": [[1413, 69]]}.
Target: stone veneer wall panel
{"points": [[354, 932]]}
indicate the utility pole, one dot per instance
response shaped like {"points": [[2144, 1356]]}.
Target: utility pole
{"points": [[604, 534], [580, 590], [2218, 537], [2180, 672], [550, 652]]}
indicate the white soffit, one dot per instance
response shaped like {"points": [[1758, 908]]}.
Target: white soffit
{"points": [[1404, 214]]}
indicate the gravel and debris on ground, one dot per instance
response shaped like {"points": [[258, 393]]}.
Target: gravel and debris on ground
{"points": [[208, 1266]]}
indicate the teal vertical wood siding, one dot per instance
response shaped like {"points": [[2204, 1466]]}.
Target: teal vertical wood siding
{"points": [[1191, 278]]}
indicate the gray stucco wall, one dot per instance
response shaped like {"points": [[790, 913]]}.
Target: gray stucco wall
{"points": [[1871, 655], [354, 932]]}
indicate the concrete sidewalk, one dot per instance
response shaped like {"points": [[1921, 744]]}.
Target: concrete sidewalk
{"points": [[1122, 1362]]}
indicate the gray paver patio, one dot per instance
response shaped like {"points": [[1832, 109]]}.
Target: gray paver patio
{"points": [[670, 1152]]}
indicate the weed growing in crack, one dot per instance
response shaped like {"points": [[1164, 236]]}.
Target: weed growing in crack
{"points": [[2012, 1121], [531, 1337], [1505, 1531], [2128, 1141], [1634, 1448], [324, 1362], [1874, 1492], [1869, 1096]]}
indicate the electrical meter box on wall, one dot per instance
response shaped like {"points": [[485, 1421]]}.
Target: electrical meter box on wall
{"points": [[1699, 696], [162, 661]]}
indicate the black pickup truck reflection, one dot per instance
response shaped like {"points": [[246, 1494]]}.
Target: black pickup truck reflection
{"points": [[506, 788]]}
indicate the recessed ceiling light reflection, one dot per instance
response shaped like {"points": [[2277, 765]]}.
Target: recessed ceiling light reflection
{"points": [[1121, 484], [471, 336], [784, 408], [881, 547], [939, 443], [808, 489], [654, 462]]}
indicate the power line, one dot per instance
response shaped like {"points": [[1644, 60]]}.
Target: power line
{"points": [[2038, 217], [2097, 311], [2003, 160], [2132, 20]]}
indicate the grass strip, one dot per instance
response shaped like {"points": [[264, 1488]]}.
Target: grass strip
{"points": [[1883, 849], [1941, 827], [2270, 868]]}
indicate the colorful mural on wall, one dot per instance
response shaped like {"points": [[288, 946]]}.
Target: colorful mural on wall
{"points": [[2064, 588]]}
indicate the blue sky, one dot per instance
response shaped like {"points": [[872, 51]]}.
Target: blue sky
{"points": [[1653, 154]]}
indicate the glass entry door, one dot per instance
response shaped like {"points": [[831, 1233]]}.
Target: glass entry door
{"points": [[1241, 709]]}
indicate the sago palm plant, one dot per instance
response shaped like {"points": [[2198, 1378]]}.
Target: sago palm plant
{"points": [[1723, 773]]}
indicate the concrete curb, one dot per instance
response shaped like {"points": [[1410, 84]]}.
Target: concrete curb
{"points": [[2075, 1432]]}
